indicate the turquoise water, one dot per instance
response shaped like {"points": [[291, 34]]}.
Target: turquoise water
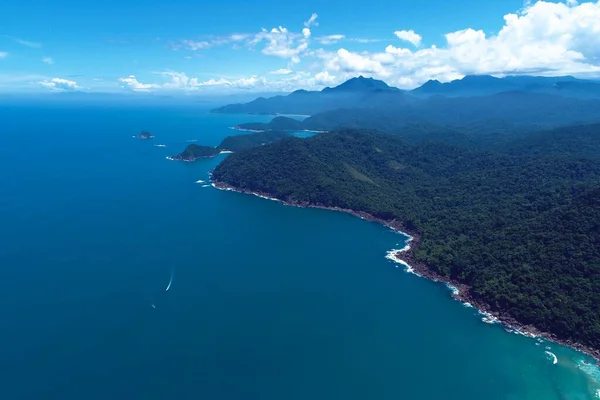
{"points": [[267, 301]]}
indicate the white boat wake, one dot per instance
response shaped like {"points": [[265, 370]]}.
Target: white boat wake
{"points": [[170, 282], [552, 356]]}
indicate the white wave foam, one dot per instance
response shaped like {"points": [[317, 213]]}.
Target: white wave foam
{"points": [[488, 318], [199, 181], [255, 194], [453, 289], [591, 370], [467, 304], [205, 185], [525, 333], [169, 158], [225, 152], [191, 140], [552, 356], [391, 255], [160, 145], [237, 128]]}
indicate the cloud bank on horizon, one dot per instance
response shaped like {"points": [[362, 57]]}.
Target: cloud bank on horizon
{"points": [[543, 38]]}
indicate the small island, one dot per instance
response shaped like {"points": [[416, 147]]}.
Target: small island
{"points": [[145, 135]]}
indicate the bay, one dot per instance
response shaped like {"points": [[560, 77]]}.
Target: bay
{"points": [[267, 301]]}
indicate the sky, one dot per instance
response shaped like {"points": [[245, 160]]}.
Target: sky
{"points": [[183, 46]]}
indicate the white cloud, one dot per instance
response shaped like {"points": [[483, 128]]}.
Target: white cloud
{"points": [[180, 81], [282, 71], [59, 84], [280, 42], [346, 61], [324, 78], [240, 83], [330, 39], [409, 36], [365, 40], [306, 32], [132, 83], [237, 37], [195, 45], [312, 21], [48, 60], [27, 42], [544, 38]]}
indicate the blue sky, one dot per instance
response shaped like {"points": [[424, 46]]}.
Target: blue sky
{"points": [[228, 46]]}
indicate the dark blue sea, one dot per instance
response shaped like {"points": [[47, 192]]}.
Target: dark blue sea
{"points": [[266, 301]]}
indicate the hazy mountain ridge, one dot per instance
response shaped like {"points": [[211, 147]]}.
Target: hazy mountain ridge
{"points": [[361, 92]]}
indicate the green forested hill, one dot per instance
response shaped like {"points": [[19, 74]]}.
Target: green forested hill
{"points": [[519, 222]]}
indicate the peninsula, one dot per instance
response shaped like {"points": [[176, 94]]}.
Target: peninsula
{"points": [[230, 144], [512, 224]]}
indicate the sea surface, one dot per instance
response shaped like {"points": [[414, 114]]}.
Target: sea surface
{"points": [[265, 301]]}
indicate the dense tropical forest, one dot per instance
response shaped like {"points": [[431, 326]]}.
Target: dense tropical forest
{"points": [[515, 217], [243, 142]]}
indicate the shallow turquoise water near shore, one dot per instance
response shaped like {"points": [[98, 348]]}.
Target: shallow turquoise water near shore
{"points": [[267, 301]]}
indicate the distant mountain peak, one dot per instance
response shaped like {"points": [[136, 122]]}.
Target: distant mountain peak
{"points": [[480, 78], [359, 84], [432, 83]]}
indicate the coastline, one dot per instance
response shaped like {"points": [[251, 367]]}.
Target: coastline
{"points": [[179, 158], [237, 128], [405, 257]]}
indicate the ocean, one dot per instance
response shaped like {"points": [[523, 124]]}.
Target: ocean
{"points": [[264, 301]]}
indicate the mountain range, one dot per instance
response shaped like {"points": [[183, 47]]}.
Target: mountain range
{"points": [[361, 92]]}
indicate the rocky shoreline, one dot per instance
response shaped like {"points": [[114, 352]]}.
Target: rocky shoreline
{"points": [[178, 157], [460, 291]]}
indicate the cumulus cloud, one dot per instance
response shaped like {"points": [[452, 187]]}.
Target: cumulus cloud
{"points": [[544, 38], [282, 43], [59, 84], [132, 83], [324, 78], [409, 36], [354, 63], [48, 60]]}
